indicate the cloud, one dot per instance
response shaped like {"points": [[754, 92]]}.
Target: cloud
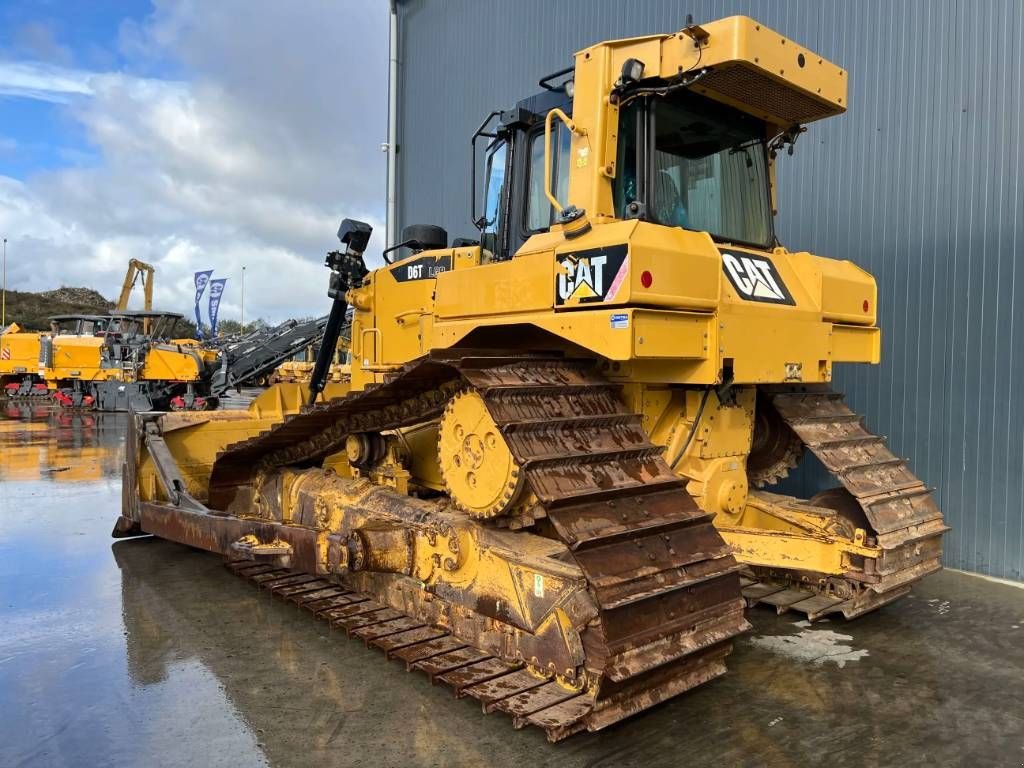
{"points": [[251, 154], [46, 82]]}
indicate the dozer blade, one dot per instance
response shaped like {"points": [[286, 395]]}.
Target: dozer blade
{"points": [[624, 596]]}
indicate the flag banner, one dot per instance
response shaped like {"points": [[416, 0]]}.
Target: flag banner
{"points": [[202, 279], [216, 290]]}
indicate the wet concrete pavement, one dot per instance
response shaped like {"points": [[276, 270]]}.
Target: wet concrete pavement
{"points": [[144, 652]]}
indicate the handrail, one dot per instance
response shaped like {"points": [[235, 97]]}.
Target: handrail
{"points": [[547, 152], [362, 345]]}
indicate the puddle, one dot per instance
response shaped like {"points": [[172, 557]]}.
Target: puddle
{"points": [[816, 646]]}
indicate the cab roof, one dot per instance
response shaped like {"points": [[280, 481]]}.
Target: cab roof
{"points": [[146, 313]]}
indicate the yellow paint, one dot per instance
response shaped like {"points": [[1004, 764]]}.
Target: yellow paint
{"points": [[19, 354], [478, 468], [137, 270]]}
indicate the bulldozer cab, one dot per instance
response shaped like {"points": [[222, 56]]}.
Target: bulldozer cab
{"points": [[679, 130], [513, 200], [683, 160]]}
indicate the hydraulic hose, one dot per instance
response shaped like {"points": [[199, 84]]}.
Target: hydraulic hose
{"points": [[325, 355]]}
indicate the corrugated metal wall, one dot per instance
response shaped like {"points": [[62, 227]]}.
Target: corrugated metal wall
{"points": [[919, 183]]}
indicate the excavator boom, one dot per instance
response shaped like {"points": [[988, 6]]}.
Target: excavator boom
{"points": [[137, 270]]}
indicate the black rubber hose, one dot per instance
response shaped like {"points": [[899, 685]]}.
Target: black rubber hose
{"points": [[325, 355]]}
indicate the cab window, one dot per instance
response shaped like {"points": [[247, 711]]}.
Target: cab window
{"points": [[492, 224], [539, 213], [696, 164]]}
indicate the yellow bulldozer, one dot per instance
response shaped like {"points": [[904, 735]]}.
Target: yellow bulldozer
{"points": [[299, 370], [545, 482]]}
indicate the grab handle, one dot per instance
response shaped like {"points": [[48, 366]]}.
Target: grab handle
{"points": [[547, 152]]}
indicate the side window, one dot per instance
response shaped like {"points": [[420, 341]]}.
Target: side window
{"points": [[539, 213], [496, 157], [625, 186], [560, 174]]}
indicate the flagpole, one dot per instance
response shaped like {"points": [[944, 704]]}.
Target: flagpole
{"points": [[3, 312], [242, 324]]}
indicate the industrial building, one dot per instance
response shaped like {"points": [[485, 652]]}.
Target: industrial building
{"points": [[919, 183]]}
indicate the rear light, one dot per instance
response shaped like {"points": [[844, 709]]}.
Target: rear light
{"points": [[646, 278]]}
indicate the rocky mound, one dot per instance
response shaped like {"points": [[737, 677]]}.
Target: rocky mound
{"points": [[31, 310]]}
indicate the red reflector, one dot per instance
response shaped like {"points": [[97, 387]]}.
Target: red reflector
{"points": [[865, 305], [646, 279]]}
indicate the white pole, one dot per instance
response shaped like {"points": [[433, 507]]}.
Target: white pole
{"points": [[392, 146], [242, 324], [3, 312]]}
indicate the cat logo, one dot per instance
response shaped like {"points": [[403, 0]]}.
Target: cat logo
{"points": [[755, 278], [591, 275]]}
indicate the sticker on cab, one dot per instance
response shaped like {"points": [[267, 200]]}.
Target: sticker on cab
{"points": [[620, 320], [755, 278], [593, 275]]}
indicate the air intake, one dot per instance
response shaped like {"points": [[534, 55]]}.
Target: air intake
{"points": [[755, 92]]}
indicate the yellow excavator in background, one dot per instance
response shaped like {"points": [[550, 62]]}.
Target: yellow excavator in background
{"points": [[137, 270], [544, 487]]}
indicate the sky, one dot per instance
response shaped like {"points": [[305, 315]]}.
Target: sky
{"points": [[191, 134]]}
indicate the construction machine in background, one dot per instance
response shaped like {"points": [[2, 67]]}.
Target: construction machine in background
{"points": [[544, 487], [299, 369], [253, 357], [113, 363], [125, 360], [135, 359], [137, 270], [19, 358]]}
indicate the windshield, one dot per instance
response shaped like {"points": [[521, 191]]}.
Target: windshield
{"points": [[706, 169]]}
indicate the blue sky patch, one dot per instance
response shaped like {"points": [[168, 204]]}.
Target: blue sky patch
{"points": [[37, 133]]}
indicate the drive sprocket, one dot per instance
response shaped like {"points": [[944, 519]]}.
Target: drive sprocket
{"points": [[775, 448], [480, 473]]}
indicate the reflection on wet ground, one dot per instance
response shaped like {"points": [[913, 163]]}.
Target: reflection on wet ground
{"points": [[42, 442], [147, 653]]}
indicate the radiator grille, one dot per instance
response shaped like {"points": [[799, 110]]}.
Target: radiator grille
{"points": [[766, 94]]}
